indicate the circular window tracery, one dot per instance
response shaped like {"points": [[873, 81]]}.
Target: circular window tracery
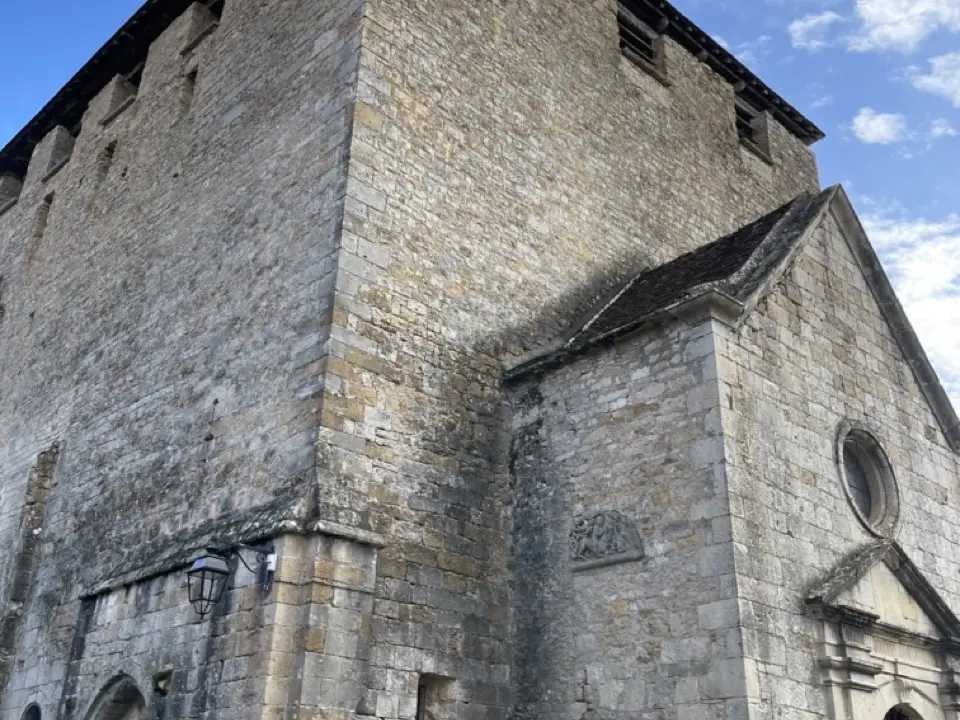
{"points": [[868, 480]]}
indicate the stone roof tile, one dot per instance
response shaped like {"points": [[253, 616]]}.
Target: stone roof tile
{"points": [[736, 264]]}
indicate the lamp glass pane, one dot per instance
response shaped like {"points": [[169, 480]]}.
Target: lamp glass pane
{"points": [[206, 581]]}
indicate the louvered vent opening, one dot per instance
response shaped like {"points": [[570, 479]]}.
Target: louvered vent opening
{"points": [[746, 128], [637, 41], [752, 129]]}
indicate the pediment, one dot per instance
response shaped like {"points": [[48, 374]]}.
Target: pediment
{"points": [[881, 593], [879, 585]]}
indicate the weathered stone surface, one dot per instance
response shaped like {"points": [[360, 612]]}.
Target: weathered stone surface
{"points": [[161, 331], [273, 298], [820, 353], [634, 429]]}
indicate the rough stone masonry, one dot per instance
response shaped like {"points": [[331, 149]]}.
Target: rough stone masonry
{"points": [[423, 295]]}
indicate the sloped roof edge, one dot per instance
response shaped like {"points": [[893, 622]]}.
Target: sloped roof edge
{"points": [[851, 569], [900, 326], [697, 281], [741, 291], [120, 55], [751, 88], [129, 45]]}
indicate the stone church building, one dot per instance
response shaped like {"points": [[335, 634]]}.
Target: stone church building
{"points": [[445, 359]]}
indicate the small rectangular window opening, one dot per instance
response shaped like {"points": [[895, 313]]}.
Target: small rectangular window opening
{"points": [[746, 116], [135, 76], [422, 700], [641, 44], [105, 160], [187, 92], [43, 216], [435, 698]]}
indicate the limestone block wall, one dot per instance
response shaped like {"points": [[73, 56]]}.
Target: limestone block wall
{"points": [[304, 642], [634, 429], [815, 354], [519, 157], [167, 295], [506, 166]]}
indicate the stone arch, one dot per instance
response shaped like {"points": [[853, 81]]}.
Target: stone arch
{"points": [[32, 712], [902, 712], [120, 699]]}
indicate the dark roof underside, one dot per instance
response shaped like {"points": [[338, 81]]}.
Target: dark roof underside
{"points": [[121, 55], [128, 48]]}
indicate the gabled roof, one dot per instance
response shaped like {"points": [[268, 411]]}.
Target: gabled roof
{"points": [[732, 267], [853, 568], [737, 271], [729, 265]]}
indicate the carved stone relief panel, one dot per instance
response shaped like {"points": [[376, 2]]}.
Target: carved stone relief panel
{"points": [[603, 538]]}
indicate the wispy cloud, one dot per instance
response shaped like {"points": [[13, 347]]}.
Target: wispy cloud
{"points": [[922, 258], [753, 51], [941, 128], [942, 79], [810, 32], [874, 128], [902, 24]]}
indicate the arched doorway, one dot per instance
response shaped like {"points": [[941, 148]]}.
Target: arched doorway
{"points": [[120, 699], [31, 713], [902, 712]]}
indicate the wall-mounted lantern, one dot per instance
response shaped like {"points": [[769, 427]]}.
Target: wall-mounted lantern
{"points": [[208, 576]]}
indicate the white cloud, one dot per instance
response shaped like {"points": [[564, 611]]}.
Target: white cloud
{"points": [[876, 128], [942, 128], [810, 31], [824, 101], [902, 24], [752, 51], [943, 78], [922, 258]]}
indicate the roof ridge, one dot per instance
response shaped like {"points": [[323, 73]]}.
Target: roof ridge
{"points": [[747, 267], [763, 261]]}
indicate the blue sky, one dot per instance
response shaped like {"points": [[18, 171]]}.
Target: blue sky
{"points": [[43, 43], [881, 77]]}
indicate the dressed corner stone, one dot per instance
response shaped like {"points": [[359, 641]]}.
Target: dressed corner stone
{"points": [[603, 535]]}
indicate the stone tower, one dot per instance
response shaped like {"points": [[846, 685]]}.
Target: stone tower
{"points": [[293, 287]]}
